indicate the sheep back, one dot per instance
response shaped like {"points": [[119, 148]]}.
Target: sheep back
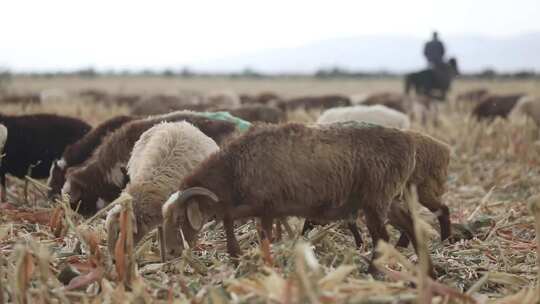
{"points": [[376, 114], [38, 138], [492, 106], [160, 159], [296, 170]]}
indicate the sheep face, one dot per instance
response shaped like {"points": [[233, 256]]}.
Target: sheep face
{"points": [[186, 211], [79, 199]]}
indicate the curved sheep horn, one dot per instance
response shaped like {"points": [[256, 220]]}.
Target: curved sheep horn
{"points": [[170, 210], [194, 214], [194, 191]]}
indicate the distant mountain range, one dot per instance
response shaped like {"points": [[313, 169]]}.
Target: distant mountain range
{"points": [[390, 53]]}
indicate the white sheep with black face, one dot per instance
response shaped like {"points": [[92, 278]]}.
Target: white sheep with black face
{"points": [[377, 114], [161, 158]]}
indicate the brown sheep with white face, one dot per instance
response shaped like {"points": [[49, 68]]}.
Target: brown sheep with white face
{"points": [[76, 153], [327, 174]]}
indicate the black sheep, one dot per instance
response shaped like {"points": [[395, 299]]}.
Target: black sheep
{"points": [[37, 140]]}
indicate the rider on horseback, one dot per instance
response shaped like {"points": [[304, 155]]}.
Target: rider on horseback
{"points": [[434, 51], [434, 81]]}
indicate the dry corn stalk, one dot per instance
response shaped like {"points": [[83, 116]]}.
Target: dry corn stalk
{"points": [[425, 293], [534, 206], [124, 254]]}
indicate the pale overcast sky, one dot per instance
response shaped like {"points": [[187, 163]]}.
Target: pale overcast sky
{"points": [[68, 34]]}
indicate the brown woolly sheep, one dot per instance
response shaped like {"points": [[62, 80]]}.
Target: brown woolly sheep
{"points": [[492, 106], [161, 104], [102, 176], [430, 174], [326, 173], [315, 102], [76, 153]]}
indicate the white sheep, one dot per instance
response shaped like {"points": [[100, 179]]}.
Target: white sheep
{"points": [[527, 106], [161, 158], [377, 114]]}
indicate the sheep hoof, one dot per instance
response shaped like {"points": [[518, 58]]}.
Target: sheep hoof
{"points": [[460, 232]]}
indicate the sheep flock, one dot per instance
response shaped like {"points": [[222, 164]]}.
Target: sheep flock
{"points": [[267, 192]]}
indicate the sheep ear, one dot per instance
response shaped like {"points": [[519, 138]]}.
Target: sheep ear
{"points": [[194, 215]]}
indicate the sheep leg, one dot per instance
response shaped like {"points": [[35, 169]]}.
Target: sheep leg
{"points": [[3, 196], [378, 232], [356, 234], [232, 243], [279, 230], [400, 218], [435, 205], [267, 223]]}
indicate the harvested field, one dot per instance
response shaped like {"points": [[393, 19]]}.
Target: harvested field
{"points": [[52, 255]]}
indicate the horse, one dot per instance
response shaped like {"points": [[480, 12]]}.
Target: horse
{"points": [[438, 78]]}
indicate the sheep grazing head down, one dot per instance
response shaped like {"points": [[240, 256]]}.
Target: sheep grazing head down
{"points": [[81, 196], [187, 210], [73, 188]]}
